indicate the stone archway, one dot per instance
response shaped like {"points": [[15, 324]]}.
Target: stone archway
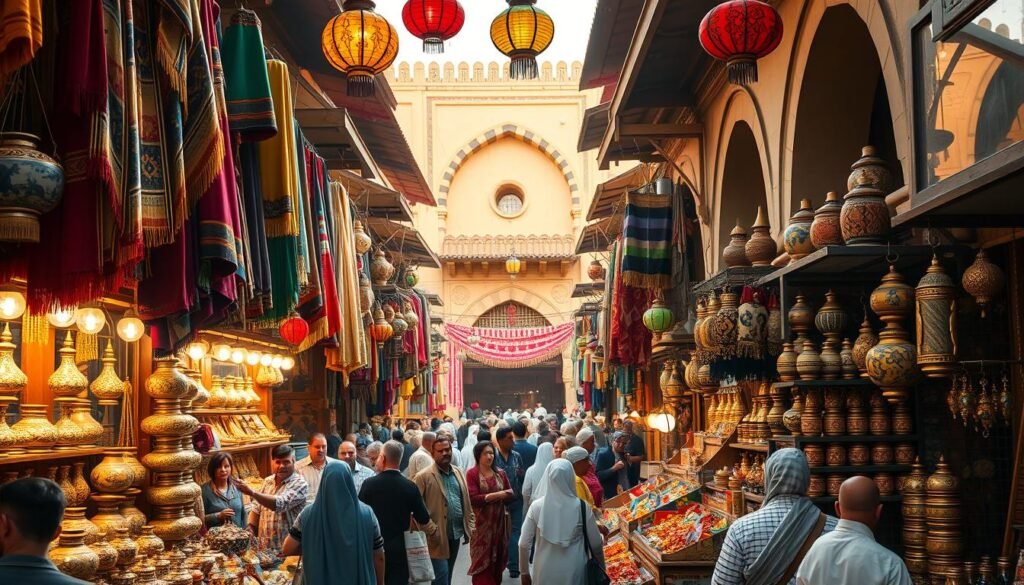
{"points": [[495, 134], [505, 293], [742, 186], [840, 96]]}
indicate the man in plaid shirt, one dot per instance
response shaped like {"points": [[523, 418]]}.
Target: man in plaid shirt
{"points": [[760, 547], [279, 500]]}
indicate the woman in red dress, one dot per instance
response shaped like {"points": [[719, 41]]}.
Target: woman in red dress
{"points": [[489, 489]]}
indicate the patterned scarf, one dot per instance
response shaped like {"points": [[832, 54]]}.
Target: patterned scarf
{"points": [[182, 144], [647, 231]]}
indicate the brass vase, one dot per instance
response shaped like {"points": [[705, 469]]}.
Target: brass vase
{"points": [[944, 516], [112, 475], [128, 456], [149, 543], [808, 363], [8, 439], [734, 254], [74, 519], [801, 319], [37, 432], [12, 379], [126, 548], [791, 419], [831, 361], [915, 526], [172, 490], [761, 248], [218, 397], [81, 415], [136, 519], [796, 239], [106, 554], [66, 380], [81, 486], [69, 434], [108, 518], [777, 414], [63, 479], [825, 229], [72, 557], [848, 366], [108, 387]]}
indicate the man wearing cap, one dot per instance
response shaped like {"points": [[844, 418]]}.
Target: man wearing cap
{"points": [[586, 439]]}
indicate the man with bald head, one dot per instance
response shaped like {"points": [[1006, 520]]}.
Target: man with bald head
{"points": [[421, 458], [849, 554]]}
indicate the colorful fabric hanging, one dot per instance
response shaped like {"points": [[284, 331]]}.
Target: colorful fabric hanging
{"points": [[278, 171], [260, 279], [21, 34], [250, 106], [629, 340], [647, 229], [181, 154], [353, 351], [511, 348]]}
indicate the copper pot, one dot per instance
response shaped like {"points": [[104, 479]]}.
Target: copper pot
{"points": [[835, 455], [815, 455], [881, 454]]}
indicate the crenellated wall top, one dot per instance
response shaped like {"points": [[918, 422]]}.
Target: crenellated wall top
{"points": [[492, 72]]}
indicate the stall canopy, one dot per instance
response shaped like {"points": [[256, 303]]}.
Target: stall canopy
{"points": [[610, 34], [404, 242], [608, 196], [373, 199], [598, 235], [334, 134]]}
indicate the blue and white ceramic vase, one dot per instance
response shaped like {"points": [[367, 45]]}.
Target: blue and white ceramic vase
{"points": [[31, 184]]}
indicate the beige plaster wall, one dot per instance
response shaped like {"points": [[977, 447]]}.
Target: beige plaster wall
{"points": [[473, 129]]}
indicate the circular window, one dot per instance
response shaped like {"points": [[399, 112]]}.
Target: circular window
{"points": [[510, 203]]}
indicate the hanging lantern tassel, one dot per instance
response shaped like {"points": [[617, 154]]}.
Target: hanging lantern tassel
{"points": [[740, 32], [87, 347], [34, 328], [523, 65], [522, 32]]}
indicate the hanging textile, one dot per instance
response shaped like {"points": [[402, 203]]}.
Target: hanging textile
{"points": [[21, 34], [260, 277], [353, 351], [278, 155], [629, 341], [512, 348], [647, 229], [250, 107], [182, 154]]}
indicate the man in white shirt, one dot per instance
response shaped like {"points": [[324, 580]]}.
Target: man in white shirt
{"points": [[540, 411], [849, 554], [360, 472], [422, 458], [312, 466]]}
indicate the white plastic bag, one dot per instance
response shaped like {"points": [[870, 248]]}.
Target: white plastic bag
{"points": [[420, 568]]}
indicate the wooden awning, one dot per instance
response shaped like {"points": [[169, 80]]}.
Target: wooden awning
{"points": [[335, 137], [614, 22], [585, 290], [374, 199], [597, 236], [404, 242], [595, 122], [608, 196]]}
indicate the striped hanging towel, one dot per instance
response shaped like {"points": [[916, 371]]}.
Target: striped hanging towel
{"points": [[647, 232]]}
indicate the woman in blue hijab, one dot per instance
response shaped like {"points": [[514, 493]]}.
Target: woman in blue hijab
{"points": [[337, 535]]}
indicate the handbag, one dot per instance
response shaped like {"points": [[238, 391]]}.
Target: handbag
{"points": [[595, 572], [420, 568]]}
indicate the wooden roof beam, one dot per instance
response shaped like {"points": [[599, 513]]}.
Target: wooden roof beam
{"points": [[657, 131]]}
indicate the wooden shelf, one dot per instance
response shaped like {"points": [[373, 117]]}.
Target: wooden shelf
{"points": [[223, 411], [736, 276], [804, 440], [53, 455], [856, 264], [757, 447], [855, 383], [253, 446], [860, 469], [833, 499]]}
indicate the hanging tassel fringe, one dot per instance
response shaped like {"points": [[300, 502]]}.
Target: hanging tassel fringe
{"points": [[523, 67], [86, 348], [361, 85], [35, 329], [19, 228], [742, 70], [433, 46]]}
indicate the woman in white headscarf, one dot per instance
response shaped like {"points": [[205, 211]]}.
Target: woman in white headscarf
{"points": [[467, 451], [559, 527], [545, 454]]}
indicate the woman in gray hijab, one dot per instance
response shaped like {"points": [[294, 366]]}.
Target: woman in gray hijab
{"points": [[766, 547]]}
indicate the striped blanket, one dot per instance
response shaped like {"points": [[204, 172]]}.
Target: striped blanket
{"points": [[647, 234]]}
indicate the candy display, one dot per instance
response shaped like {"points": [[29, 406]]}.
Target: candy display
{"points": [[678, 530], [622, 566]]}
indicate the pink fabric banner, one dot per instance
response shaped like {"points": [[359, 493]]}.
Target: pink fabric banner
{"points": [[502, 348]]}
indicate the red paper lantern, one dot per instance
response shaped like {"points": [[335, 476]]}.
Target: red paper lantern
{"points": [[294, 329], [740, 32], [434, 21]]}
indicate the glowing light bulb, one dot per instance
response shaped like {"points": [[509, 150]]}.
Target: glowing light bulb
{"points": [[237, 355], [276, 361], [266, 359], [90, 320], [62, 318], [253, 358], [222, 352], [197, 350], [288, 363], [12, 305], [129, 327]]}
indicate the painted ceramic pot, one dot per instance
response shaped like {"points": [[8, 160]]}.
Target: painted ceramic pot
{"points": [[825, 229], [126, 548], [801, 316], [31, 184], [881, 454], [595, 271], [831, 319], [858, 454], [893, 299], [149, 543], [815, 455], [871, 170], [833, 482], [810, 417], [82, 489], [864, 342], [366, 296], [38, 434], [831, 362], [761, 248], [362, 239], [735, 254], [904, 453], [74, 518], [864, 219], [848, 365], [380, 269], [136, 519], [786, 363], [72, 557], [808, 363], [892, 364], [796, 240], [791, 418], [835, 455]]}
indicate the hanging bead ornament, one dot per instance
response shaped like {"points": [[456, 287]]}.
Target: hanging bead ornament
{"points": [[981, 408], [983, 280], [892, 363], [936, 323]]}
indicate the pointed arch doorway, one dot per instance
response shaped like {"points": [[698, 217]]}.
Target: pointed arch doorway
{"points": [[499, 389]]}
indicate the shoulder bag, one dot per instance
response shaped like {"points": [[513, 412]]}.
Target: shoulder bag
{"points": [[595, 573]]}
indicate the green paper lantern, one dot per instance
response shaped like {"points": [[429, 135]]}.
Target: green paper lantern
{"points": [[659, 318], [411, 279]]}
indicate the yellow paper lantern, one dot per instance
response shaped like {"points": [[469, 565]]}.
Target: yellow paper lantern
{"points": [[360, 43], [512, 266], [197, 350], [522, 32], [238, 355], [253, 358], [222, 352]]}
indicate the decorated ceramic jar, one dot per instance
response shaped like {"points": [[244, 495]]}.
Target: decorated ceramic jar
{"points": [[362, 239], [786, 363], [796, 240], [881, 454], [108, 518], [808, 363], [904, 453], [596, 270], [37, 433], [735, 254], [106, 554], [858, 454], [126, 548], [825, 229], [33, 184], [864, 342], [72, 557], [761, 248], [833, 482], [74, 519], [815, 455], [112, 475], [864, 218], [870, 169], [886, 484], [816, 488], [380, 269], [149, 543], [835, 455]]}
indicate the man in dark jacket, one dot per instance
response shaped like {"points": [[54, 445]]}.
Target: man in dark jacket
{"points": [[31, 510], [527, 451], [398, 435], [394, 499], [611, 465]]}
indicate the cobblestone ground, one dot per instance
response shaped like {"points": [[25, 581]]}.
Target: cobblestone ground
{"points": [[462, 566]]}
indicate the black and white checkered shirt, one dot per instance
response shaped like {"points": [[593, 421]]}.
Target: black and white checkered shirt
{"points": [[749, 536]]}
